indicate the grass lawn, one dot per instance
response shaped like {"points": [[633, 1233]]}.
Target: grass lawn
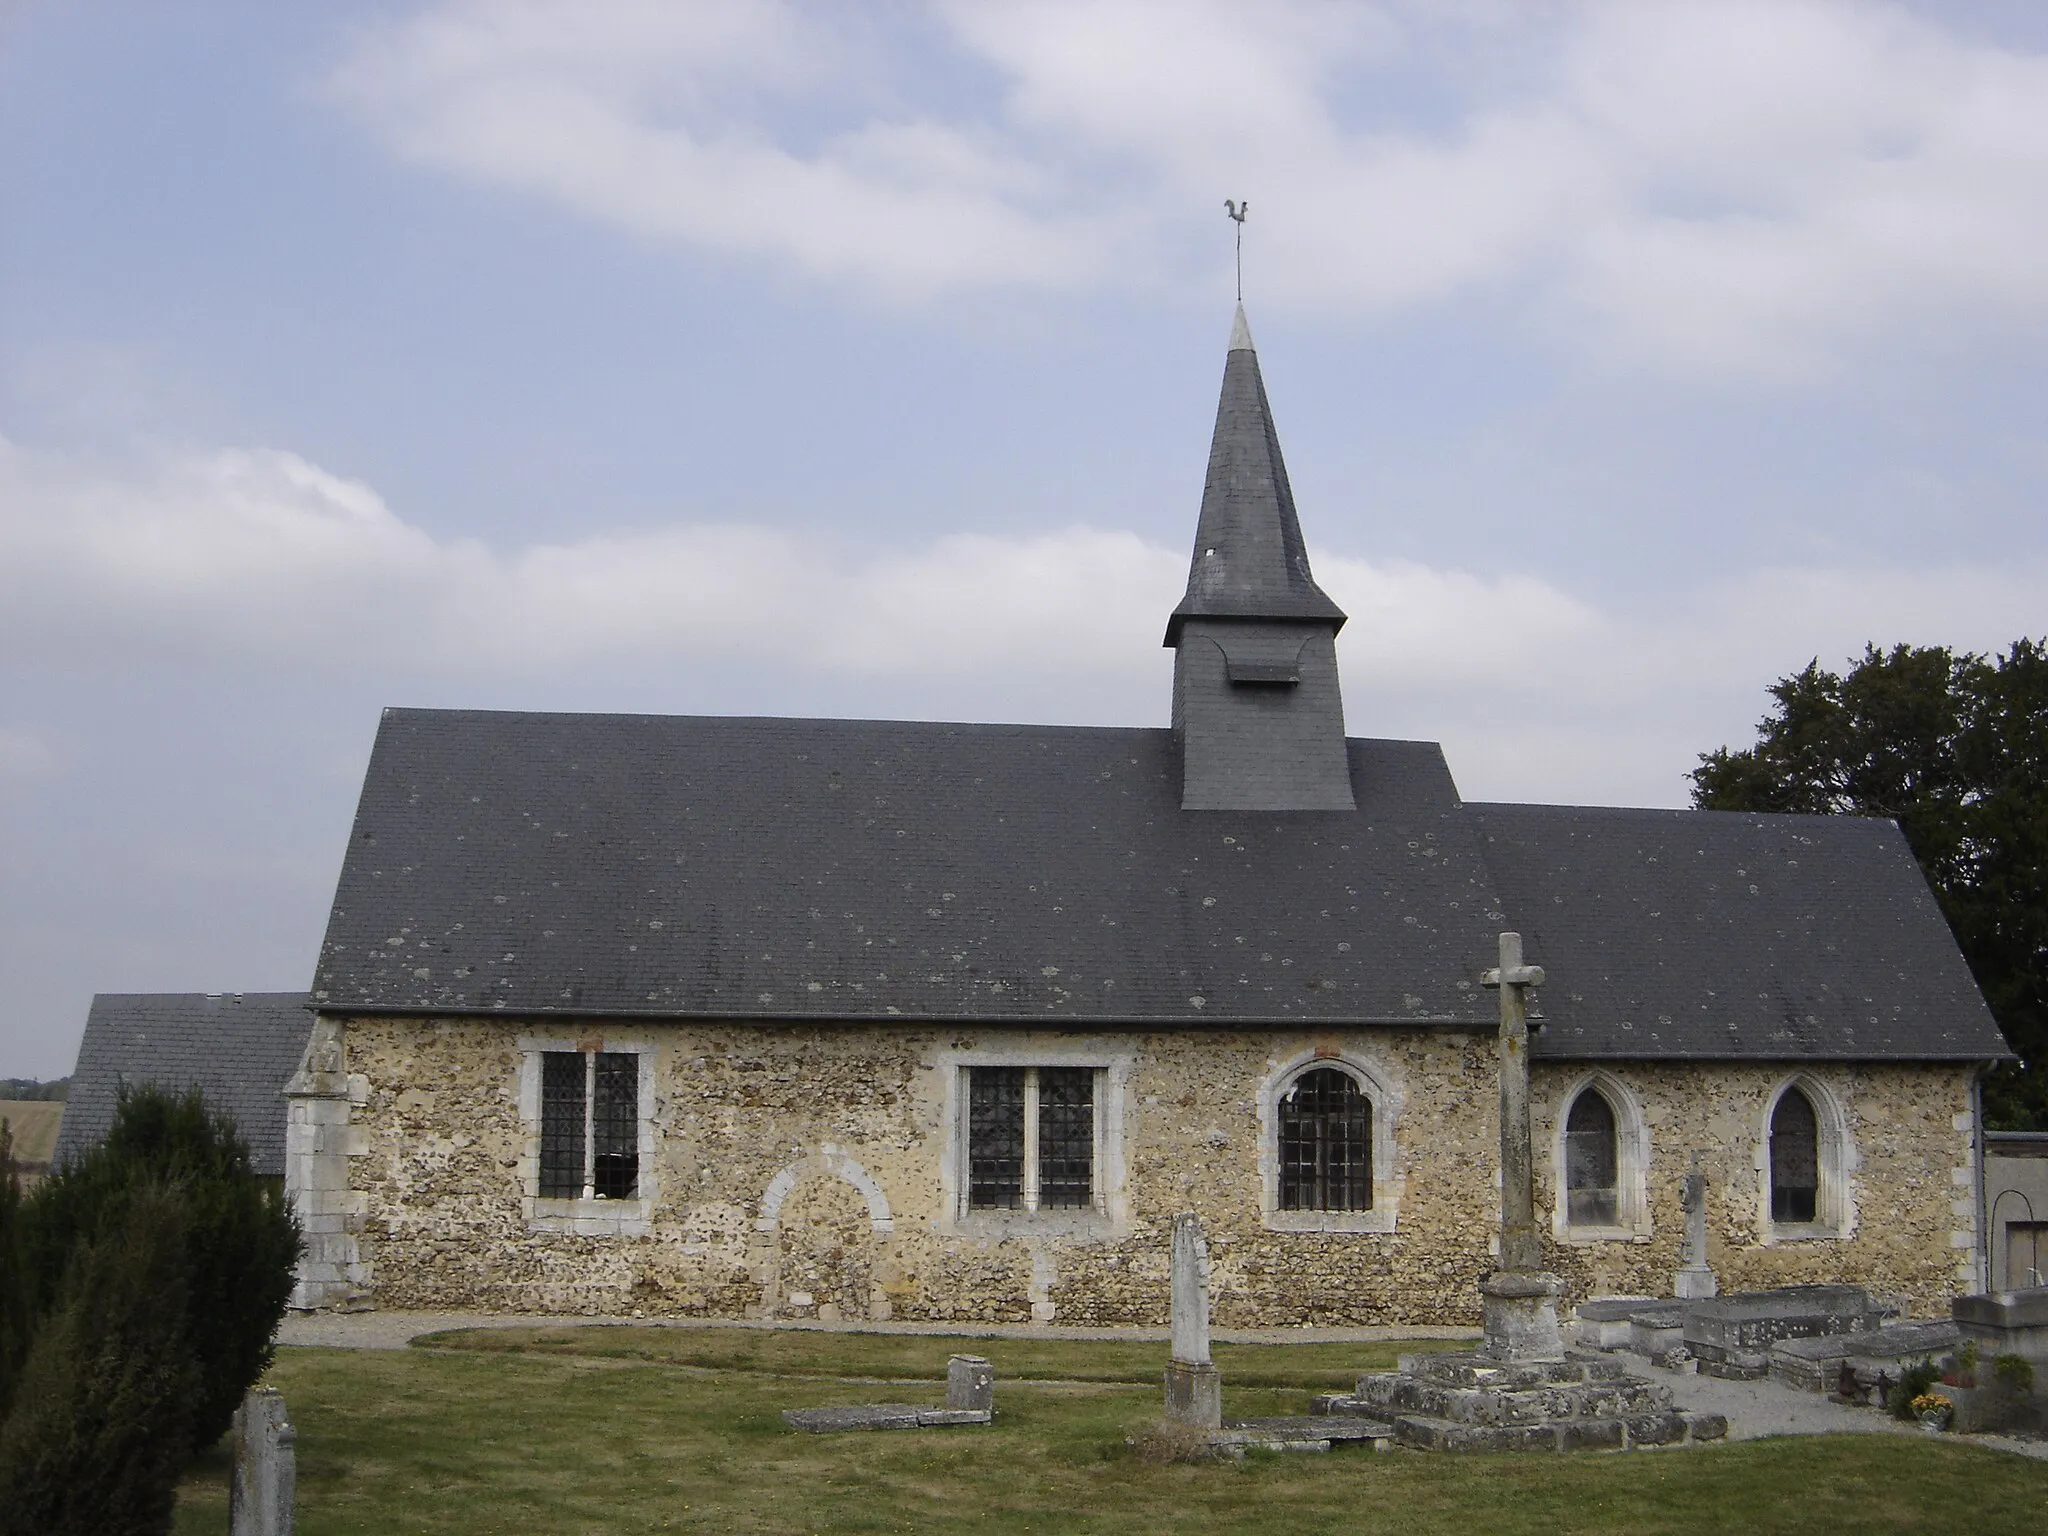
{"points": [[546, 1440], [921, 1357]]}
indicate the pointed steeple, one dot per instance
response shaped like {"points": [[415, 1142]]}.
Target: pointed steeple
{"points": [[1249, 562], [1256, 702]]}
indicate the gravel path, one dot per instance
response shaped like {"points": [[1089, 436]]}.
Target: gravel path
{"points": [[1753, 1409]]}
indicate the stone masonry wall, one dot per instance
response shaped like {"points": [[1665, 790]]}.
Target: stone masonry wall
{"points": [[800, 1173]]}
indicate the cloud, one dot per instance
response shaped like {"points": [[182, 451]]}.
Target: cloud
{"points": [[258, 557], [1727, 187]]}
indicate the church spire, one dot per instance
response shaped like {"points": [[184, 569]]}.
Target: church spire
{"points": [[1250, 561], [1255, 697]]}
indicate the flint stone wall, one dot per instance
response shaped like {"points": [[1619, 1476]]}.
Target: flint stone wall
{"points": [[841, 1132]]}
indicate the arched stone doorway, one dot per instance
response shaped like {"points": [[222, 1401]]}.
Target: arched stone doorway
{"points": [[826, 1241]]}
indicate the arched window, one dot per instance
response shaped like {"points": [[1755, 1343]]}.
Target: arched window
{"points": [[1592, 1162], [1795, 1159], [1325, 1126]]}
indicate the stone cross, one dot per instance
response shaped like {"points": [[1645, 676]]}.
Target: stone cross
{"points": [[1194, 1389], [1519, 1301], [1519, 1248], [1694, 1280]]}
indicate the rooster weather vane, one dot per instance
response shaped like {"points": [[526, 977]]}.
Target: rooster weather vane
{"points": [[1237, 211]]}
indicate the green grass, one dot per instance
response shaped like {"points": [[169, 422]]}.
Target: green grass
{"points": [[435, 1441], [921, 1357]]}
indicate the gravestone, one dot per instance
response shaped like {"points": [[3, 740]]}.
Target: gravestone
{"points": [[1194, 1387], [970, 1399], [264, 1485], [970, 1384], [1732, 1335], [1694, 1280], [1519, 1300]]}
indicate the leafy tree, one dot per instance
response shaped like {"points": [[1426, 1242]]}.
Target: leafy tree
{"points": [[102, 1420], [241, 1242], [1954, 747]]}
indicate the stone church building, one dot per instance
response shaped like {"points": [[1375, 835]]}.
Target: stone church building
{"points": [[867, 1019]]}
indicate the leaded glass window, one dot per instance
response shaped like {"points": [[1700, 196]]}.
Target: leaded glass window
{"points": [[995, 1138], [1795, 1159], [589, 1125], [1066, 1137], [615, 1125], [1592, 1163], [1325, 1143], [561, 1124], [1030, 1138]]}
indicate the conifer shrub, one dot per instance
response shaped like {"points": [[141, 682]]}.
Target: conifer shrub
{"points": [[241, 1241], [13, 1301], [101, 1426]]}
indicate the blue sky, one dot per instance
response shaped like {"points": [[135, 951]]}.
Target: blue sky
{"points": [[861, 361]]}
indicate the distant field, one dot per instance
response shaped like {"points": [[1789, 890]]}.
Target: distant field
{"points": [[33, 1123], [474, 1443]]}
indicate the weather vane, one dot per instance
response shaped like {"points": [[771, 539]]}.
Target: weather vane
{"points": [[1237, 211]]}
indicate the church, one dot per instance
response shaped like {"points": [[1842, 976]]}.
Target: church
{"points": [[835, 1019]]}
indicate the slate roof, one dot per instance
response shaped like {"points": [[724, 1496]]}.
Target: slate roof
{"points": [[1250, 560], [1717, 934], [821, 869], [676, 866], [239, 1049]]}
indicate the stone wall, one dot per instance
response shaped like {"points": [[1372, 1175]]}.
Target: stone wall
{"points": [[805, 1171]]}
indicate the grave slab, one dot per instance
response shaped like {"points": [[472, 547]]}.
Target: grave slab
{"points": [[1815, 1364], [1732, 1336]]}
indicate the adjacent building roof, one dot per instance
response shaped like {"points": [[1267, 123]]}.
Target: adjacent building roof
{"points": [[239, 1049]]}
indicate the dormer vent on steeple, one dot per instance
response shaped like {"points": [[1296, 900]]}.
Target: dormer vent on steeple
{"points": [[1256, 703]]}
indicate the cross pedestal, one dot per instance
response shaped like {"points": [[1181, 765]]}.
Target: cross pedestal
{"points": [[1518, 1300]]}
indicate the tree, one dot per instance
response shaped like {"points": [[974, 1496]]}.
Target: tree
{"points": [[241, 1241], [1954, 747], [13, 1297], [102, 1421]]}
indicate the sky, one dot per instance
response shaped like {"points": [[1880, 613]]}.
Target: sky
{"points": [[860, 361]]}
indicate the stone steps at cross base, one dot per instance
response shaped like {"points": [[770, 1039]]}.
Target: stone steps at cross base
{"points": [[1670, 1427], [1461, 1370], [1389, 1395]]}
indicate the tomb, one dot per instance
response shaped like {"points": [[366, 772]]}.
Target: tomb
{"points": [[970, 1399]]}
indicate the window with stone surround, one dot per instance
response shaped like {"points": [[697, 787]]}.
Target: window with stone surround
{"points": [[1803, 1163], [1326, 1146], [590, 1136], [1031, 1138], [589, 1125], [1600, 1161], [1795, 1158], [1592, 1162], [1325, 1143]]}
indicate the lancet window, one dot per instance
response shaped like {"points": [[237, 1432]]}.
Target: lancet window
{"points": [[1325, 1132]]}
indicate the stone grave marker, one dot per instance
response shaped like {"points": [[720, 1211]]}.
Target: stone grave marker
{"points": [[1695, 1278], [1194, 1387], [970, 1399], [262, 1492]]}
